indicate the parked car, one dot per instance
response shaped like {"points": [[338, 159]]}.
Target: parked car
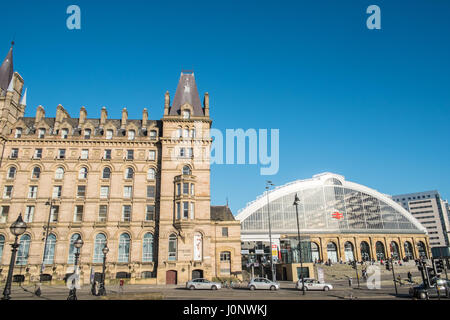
{"points": [[420, 291], [202, 283], [263, 283], [313, 284]]}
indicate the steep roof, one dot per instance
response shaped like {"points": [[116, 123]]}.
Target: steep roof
{"points": [[186, 93], [221, 213], [6, 70]]}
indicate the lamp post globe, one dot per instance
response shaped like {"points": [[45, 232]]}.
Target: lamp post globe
{"points": [[17, 228], [105, 250], [78, 243]]}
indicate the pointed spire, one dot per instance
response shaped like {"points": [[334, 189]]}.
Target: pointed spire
{"points": [[23, 101], [6, 69], [187, 93]]}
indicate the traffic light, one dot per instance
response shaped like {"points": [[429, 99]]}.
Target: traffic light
{"points": [[388, 266]]}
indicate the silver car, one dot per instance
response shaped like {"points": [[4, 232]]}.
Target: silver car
{"points": [[313, 284], [201, 283], [263, 283]]}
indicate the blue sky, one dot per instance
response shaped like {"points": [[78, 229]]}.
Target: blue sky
{"points": [[372, 105]]}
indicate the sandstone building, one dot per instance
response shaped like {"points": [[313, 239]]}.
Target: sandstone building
{"points": [[140, 186]]}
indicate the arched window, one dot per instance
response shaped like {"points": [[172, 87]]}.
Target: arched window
{"points": [[147, 248], [186, 170], [172, 247], [348, 250], [409, 250], [71, 258], [59, 173], [379, 246], [49, 251], [192, 133], [332, 252], [106, 173], [365, 251], [151, 174], [12, 172], [124, 248], [394, 250], [36, 173], [198, 246], [129, 173], [315, 253], [82, 174], [2, 244], [99, 244], [24, 247], [422, 250]]}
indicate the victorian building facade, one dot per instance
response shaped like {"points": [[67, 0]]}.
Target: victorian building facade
{"points": [[140, 186]]}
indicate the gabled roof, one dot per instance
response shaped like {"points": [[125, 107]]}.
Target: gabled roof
{"points": [[187, 93], [6, 70], [221, 213]]}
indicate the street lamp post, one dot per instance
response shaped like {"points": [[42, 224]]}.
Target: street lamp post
{"points": [[17, 228], [73, 291], [47, 229], [268, 184], [102, 290], [296, 202]]}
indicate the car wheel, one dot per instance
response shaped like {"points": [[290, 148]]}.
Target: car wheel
{"points": [[326, 288], [272, 288], [213, 288], [252, 288], [306, 288], [191, 288], [422, 295]]}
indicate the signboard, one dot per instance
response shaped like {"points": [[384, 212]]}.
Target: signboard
{"points": [[256, 264], [320, 275], [259, 251], [274, 250], [245, 251], [337, 215], [198, 247]]}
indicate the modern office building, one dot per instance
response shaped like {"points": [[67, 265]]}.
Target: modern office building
{"points": [[140, 186], [432, 212], [338, 220]]}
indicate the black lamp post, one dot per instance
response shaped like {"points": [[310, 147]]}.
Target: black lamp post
{"points": [[73, 291], [268, 184], [296, 202], [102, 290], [17, 228]]}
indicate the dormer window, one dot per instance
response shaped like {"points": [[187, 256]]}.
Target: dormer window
{"points": [[153, 134], [41, 133], [18, 133], [131, 134], [87, 133], [109, 134], [64, 133], [186, 114]]}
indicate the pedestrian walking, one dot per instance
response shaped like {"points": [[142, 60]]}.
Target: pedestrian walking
{"points": [[94, 288], [350, 281], [121, 283], [37, 289]]}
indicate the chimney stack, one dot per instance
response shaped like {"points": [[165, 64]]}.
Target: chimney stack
{"points": [[124, 118], [206, 104], [166, 103], [144, 118], [103, 116], [83, 115], [40, 114]]}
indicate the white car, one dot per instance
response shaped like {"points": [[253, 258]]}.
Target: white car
{"points": [[202, 283], [313, 284], [263, 283]]}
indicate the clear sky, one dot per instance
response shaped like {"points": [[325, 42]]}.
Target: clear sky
{"points": [[372, 105]]}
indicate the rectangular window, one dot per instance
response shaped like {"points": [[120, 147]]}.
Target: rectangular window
{"points": [[57, 190], [64, 133], [78, 215], [178, 211], [29, 213], [182, 153], [102, 213], [185, 188], [14, 153], [4, 214], [18, 133], [32, 192], [126, 213], [192, 189], [151, 192], [61, 153], [107, 154], [185, 210], [38, 153], [81, 191], [84, 154], [54, 214], [130, 154], [104, 192], [150, 213], [225, 256], [109, 134], [192, 210], [190, 152], [152, 155], [152, 134], [127, 190], [225, 232], [41, 133], [7, 192], [178, 189]]}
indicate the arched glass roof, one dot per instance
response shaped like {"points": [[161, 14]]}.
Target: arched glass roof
{"points": [[328, 203]]}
